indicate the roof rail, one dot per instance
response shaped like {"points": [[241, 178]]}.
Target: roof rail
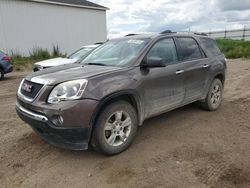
{"points": [[166, 32], [204, 34], [184, 32]]}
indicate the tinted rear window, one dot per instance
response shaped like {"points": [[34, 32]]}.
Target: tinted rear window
{"points": [[189, 49], [211, 46]]}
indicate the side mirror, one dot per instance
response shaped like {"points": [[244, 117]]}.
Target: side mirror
{"points": [[153, 62]]}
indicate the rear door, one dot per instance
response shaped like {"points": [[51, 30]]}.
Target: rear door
{"points": [[195, 66]]}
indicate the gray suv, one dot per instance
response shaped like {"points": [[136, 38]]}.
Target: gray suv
{"points": [[101, 101]]}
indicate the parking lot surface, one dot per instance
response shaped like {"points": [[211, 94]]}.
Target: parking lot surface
{"points": [[187, 147]]}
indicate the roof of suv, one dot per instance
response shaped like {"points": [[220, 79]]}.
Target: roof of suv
{"points": [[172, 34]]}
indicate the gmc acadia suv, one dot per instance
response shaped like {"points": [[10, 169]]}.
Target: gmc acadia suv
{"points": [[102, 100]]}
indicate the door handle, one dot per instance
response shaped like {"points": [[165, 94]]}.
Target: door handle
{"points": [[205, 66], [179, 71]]}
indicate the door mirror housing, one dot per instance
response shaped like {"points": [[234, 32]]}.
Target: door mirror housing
{"points": [[153, 62]]}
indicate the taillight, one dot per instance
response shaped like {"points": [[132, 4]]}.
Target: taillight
{"points": [[6, 58]]}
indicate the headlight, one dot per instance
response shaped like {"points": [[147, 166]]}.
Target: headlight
{"points": [[70, 90]]}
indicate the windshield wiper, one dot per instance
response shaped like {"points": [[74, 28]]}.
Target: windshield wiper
{"points": [[100, 64]]}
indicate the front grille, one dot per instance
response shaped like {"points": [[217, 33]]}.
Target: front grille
{"points": [[30, 89]]}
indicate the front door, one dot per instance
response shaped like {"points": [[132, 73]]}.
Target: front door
{"points": [[163, 86]]}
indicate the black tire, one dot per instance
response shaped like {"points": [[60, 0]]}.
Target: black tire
{"points": [[1, 74], [101, 136], [208, 104]]}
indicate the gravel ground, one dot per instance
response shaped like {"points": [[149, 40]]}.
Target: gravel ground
{"points": [[187, 147]]}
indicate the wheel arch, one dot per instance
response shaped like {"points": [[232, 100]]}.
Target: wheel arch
{"points": [[1, 67], [128, 96], [221, 77], [2, 72], [217, 75]]}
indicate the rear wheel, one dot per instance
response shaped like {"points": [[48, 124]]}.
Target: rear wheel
{"points": [[214, 96], [1, 74], [115, 128]]}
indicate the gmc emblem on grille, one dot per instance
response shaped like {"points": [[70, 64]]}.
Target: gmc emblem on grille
{"points": [[26, 87]]}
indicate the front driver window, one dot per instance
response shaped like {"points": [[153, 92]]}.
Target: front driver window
{"points": [[164, 49]]}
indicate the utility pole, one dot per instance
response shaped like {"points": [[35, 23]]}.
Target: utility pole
{"points": [[244, 33], [209, 33]]}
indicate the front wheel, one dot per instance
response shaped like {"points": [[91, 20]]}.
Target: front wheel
{"points": [[214, 96], [115, 128]]}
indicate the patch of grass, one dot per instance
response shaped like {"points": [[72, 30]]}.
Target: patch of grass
{"points": [[234, 48], [21, 63], [56, 51], [39, 53]]}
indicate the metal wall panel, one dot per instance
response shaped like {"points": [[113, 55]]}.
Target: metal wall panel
{"points": [[26, 25]]}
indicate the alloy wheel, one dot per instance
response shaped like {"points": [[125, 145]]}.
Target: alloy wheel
{"points": [[117, 128], [215, 94]]}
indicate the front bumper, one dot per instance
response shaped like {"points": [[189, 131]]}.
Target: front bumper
{"points": [[74, 138]]}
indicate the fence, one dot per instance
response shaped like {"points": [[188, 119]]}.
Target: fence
{"points": [[240, 34]]}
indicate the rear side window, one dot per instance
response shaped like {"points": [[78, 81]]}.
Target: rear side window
{"points": [[211, 46], [164, 49], [189, 49]]}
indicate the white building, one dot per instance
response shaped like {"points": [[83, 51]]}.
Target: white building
{"points": [[29, 24]]}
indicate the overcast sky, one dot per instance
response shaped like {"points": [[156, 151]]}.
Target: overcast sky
{"points": [[130, 16]]}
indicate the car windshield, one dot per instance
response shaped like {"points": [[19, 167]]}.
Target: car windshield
{"points": [[81, 53], [117, 52]]}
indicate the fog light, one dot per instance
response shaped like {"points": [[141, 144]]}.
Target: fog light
{"points": [[57, 120]]}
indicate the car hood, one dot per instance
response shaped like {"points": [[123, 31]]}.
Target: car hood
{"points": [[59, 74], [55, 62]]}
